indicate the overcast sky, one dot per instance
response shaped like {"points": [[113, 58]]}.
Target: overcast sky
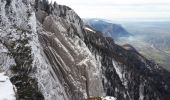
{"points": [[120, 9]]}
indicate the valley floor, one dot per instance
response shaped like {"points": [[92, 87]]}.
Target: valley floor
{"points": [[150, 51]]}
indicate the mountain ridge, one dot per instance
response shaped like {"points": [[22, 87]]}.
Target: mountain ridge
{"points": [[50, 55], [108, 28]]}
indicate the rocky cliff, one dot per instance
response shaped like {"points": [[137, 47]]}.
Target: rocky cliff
{"points": [[48, 53]]}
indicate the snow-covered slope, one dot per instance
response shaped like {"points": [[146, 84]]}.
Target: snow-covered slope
{"points": [[49, 54], [7, 90]]}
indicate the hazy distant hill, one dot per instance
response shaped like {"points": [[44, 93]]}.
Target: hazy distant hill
{"points": [[107, 28]]}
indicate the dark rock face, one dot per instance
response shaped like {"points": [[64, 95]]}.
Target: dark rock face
{"points": [[135, 78], [108, 29], [50, 54], [27, 87], [8, 2]]}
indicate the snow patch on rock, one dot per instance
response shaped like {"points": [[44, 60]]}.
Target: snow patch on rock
{"points": [[118, 71], [7, 90], [89, 29]]}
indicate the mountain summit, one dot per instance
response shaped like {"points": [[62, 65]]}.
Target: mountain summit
{"points": [[49, 54]]}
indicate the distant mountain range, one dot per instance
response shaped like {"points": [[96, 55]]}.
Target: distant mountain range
{"points": [[107, 28]]}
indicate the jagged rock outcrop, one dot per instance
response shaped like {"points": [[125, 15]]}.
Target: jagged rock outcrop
{"points": [[50, 54]]}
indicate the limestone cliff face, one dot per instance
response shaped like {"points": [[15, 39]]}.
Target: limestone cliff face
{"points": [[49, 54], [70, 59], [45, 53]]}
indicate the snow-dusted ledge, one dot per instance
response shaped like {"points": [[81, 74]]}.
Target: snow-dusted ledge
{"points": [[7, 90], [108, 98]]}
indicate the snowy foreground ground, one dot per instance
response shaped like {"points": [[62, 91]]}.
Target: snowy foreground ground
{"points": [[6, 88], [108, 98]]}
